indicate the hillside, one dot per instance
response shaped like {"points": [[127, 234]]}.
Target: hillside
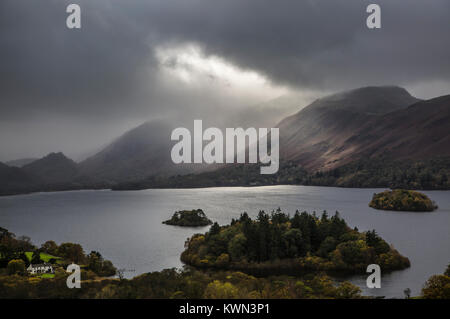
{"points": [[418, 132], [54, 172], [53, 168], [140, 152], [20, 162], [15, 180], [369, 137], [307, 138], [319, 136]]}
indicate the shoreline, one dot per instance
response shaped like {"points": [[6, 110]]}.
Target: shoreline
{"points": [[199, 187]]}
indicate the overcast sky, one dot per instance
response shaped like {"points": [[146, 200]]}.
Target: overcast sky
{"points": [[134, 60]]}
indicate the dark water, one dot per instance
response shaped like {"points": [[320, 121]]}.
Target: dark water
{"points": [[126, 226]]}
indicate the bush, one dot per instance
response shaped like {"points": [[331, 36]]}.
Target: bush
{"points": [[447, 271], [16, 266], [223, 260], [437, 287], [347, 291], [221, 290], [98, 265]]}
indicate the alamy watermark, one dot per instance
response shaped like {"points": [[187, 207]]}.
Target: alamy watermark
{"points": [[374, 280], [73, 280], [73, 20], [235, 146]]}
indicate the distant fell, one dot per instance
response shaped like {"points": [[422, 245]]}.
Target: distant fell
{"points": [[20, 162], [53, 168]]}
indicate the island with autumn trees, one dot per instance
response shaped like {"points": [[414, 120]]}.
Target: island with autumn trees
{"points": [[277, 243], [402, 200], [189, 218]]}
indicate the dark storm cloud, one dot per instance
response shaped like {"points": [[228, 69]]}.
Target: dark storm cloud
{"points": [[107, 71], [48, 68], [319, 43]]}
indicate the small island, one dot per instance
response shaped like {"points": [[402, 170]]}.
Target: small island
{"points": [[290, 245], [189, 218], [402, 200]]}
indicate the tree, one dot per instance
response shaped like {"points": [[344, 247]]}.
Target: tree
{"points": [[302, 290], [5, 233], [71, 252], [292, 242], [237, 247], [120, 273], [338, 226], [214, 230], [52, 261], [98, 265], [223, 260], [353, 252], [24, 244], [263, 252], [25, 259], [50, 247], [95, 261], [447, 271], [108, 269], [327, 246], [407, 293], [437, 287], [221, 290], [16, 266], [36, 257], [375, 241], [347, 290]]}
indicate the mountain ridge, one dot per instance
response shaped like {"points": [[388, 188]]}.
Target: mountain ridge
{"points": [[323, 126], [20, 162], [53, 168], [410, 135], [332, 132]]}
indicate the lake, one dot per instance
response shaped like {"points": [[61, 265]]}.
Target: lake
{"points": [[126, 226]]}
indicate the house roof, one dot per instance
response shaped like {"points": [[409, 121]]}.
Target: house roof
{"points": [[40, 265]]}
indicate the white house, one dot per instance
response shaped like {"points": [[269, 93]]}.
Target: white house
{"points": [[40, 269]]}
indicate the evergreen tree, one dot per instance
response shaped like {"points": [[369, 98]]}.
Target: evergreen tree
{"points": [[36, 257]]}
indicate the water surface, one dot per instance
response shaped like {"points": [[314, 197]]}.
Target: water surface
{"points": [[126, 226]]}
